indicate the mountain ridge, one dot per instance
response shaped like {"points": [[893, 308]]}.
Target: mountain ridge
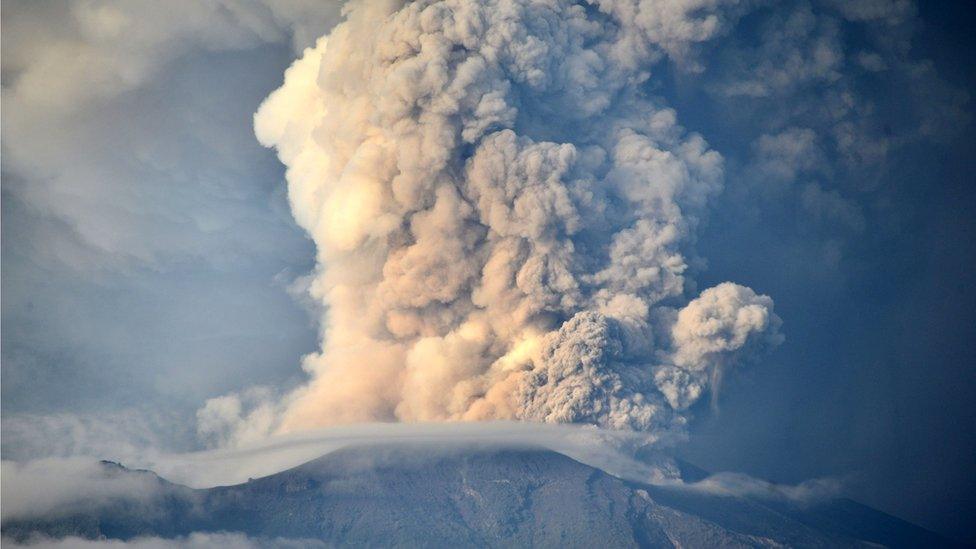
{"points": [[482, 496]]}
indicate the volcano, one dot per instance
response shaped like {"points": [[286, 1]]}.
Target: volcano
{"points": [[424, 496]]}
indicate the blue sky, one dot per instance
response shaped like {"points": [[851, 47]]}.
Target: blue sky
{"points": [[151, 261]]}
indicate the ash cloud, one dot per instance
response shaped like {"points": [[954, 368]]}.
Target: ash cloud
{"points": [[502, 218]]}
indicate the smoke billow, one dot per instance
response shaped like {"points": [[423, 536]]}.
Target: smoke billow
{"points": [[501, 213]]}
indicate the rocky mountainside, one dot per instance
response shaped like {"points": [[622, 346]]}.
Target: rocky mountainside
{"points": [[482, 497]]}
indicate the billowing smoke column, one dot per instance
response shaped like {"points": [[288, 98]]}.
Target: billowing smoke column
{"points": [[499, 211]]}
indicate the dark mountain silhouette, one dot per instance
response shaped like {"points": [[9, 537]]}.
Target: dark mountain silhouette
{"points": [[421, 496]]}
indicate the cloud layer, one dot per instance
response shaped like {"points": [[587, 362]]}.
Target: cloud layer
{"points": [[52, 487]]}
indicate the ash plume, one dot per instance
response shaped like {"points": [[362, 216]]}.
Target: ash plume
{"points": [[502, 215]]}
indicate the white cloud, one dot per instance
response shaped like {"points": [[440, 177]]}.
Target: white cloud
{"points": [[96, 135], [55, 486], [741, 485], [138, 209]]}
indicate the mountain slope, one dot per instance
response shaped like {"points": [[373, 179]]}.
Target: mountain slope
{"points": [[484, 497]]}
